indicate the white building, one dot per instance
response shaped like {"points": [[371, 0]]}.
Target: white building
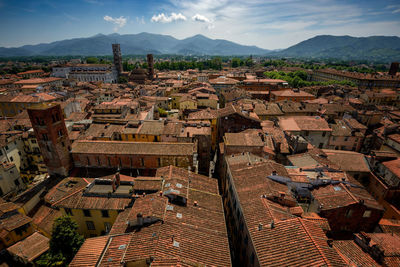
{"points": [[88, 73], [10, 180]]}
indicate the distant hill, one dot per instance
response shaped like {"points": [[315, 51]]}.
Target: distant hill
{"points": [[374, 48], [136, 44]]}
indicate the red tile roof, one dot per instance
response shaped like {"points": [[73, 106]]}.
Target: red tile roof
{"points": [[284, 240], [129, 148], [295, 242], [44, 218], [90, 252], [304, 123], [353, 254], [194, 233], [13, 222], [348, 160], [393, 166], [38, 80], [31, 247]]}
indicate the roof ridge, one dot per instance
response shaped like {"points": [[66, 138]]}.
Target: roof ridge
{"points": [[67, 196], [315, 243], [345, 259], [100, 259], [266, 205]]}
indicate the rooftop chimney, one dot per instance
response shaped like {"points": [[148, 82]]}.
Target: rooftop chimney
{"points": [[114, 187], [117, 179], [139, 218], [272, 225]]}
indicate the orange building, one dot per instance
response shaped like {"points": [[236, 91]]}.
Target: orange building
{"points": [[295, 95]]}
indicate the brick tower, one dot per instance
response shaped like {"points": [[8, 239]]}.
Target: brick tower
{"points": [[150, 66], [52, 135], [117, 57]]}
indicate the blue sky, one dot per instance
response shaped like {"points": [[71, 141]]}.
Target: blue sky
{"points": [[268, 24]]}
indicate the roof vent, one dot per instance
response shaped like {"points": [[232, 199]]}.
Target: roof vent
{"points": [[195, 203], [274, 173], [179, 215], [272, 225], [122, 246], [260, 226], [175, 244]]}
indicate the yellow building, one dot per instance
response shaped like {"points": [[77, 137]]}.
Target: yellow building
{"points": [[35, 159], [210, 116], [187, 103], [146, 131], [207, 101], [92, 203], [92, 222], [14, 226]]}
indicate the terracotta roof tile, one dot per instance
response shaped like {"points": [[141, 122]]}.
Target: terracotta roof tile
{"points": [[191, 234], [31, 247], [13, 222], [348, 160], [128, 148], [44, 218], [353, 254], [90, 252], [304, 123]]}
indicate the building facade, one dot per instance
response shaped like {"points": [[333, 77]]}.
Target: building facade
{"points": [[52, 136]]}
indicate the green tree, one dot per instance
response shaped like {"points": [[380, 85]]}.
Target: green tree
{"points": [[235, 62], [64, 243], [92, 60], [122, 79], [249, 62]]}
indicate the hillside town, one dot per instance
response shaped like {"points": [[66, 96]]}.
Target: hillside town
{"points": [[138, 160]]}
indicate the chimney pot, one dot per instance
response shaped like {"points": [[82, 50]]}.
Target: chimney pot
{"points": [[139, 218]]}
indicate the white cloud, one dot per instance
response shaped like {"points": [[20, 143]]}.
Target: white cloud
{"points": [[200, 18], [167, 19], [119, 22], [279, 23]]}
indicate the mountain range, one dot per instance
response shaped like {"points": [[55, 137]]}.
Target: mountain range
{"points": [[374, 48], [135, 44]]}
